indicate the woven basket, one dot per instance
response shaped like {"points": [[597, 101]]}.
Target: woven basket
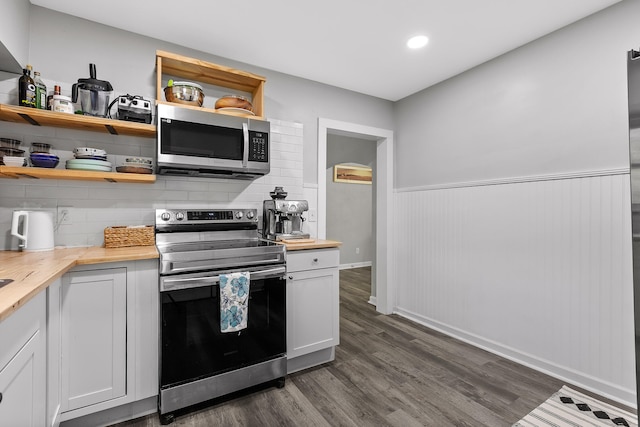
{"points": [[122, 236]]}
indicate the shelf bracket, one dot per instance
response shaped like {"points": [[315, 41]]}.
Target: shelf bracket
{"points": [[29, 119], [111, 129]]}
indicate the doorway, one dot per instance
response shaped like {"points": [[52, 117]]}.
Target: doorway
{"points": [[383, 138]]}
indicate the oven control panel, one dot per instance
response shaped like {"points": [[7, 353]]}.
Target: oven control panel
{"points": [[210, 216]]}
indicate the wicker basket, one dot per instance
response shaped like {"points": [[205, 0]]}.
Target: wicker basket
{"points": [[123, 236]]}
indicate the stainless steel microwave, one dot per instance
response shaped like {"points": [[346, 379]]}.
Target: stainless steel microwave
{"points": [[201, 143]]}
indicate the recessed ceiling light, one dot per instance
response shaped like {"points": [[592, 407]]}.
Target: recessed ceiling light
{"points": [[417, 42]]}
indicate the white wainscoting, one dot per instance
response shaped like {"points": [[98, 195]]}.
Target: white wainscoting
{"points": [[539, 272]]}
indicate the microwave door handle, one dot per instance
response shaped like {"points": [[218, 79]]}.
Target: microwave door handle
{"points": [[245, 152]]}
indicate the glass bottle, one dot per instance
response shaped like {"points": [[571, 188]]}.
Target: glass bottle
{"points": [[56, 91], [26, 89], [41, 91]]}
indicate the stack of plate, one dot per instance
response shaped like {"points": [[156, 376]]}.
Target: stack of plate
{"points": [[89, 159], [136, 165]]}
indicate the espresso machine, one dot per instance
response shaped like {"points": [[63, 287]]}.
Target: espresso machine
{"points": [[282, 219]]}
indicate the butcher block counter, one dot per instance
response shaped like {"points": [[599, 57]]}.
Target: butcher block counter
{"points": [[32, 272], [302, 244]]}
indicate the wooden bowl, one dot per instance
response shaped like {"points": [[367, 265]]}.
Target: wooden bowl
{"points": [[233, 101]]}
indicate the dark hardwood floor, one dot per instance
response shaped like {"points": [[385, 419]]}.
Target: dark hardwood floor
{"points": [[388, 371]]}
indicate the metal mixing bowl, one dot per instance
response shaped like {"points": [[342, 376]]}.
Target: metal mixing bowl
{"points": [[184, 93]]}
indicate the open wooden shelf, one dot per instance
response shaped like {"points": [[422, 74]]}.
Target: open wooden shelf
{"points": [[214, 74], [211, 110], [67, 174], [33, 116]]}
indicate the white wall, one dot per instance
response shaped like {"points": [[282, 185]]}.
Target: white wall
{"points": [[556, 105], [96, 205], [62, 46], [514, 209], [350, 206]]}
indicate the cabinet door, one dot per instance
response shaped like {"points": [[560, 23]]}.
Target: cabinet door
{"points": [[312, 311], [93, 337], [18, 388], [23, 366]]}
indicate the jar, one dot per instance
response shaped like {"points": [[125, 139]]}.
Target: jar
{"points": [[40, 147], [62, 104]]}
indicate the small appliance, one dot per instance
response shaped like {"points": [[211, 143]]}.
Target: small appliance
{"points": [[93, 94], [134, 109], [191, 142], [282, 219], [34, 229]]}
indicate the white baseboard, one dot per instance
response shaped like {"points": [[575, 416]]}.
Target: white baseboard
{"points": [[373, 301], [605, 389], [355, 265]]}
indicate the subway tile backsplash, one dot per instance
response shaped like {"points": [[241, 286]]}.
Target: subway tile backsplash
{"points": [[96, 205]]}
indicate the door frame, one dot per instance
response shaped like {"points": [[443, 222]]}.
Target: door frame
{"points": [[385, 290]]}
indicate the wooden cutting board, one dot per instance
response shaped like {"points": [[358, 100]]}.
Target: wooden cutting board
{"points": [[298, 240]]}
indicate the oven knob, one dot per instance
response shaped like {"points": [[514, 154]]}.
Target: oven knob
{"points": [[166, 216], [179, 216], [239, 215], [250, 215]]}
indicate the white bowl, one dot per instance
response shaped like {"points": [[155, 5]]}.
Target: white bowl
{"points": [[88, 151], [13, 161]]}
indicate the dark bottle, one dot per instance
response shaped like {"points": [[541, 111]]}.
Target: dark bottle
{"points": [[26, 89]]}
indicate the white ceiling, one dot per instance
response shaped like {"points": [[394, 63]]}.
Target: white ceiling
{"points": [[352, 44]]}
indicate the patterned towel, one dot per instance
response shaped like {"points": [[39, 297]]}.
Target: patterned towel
{"points": [[234, 301]]}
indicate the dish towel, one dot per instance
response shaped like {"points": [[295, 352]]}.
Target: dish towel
{"points": [[234, 301]]}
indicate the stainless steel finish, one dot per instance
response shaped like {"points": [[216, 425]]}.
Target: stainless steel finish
{"points": [[633, 75], [209, 388], [185, 251], [282, 219], [185, 165], [195, 280], [169, 217], [245, 139], [196, 247]]}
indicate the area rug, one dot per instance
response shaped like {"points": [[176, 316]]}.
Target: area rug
{"points": [[570, 408]]}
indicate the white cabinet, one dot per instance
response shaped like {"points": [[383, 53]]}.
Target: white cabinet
{"points": [[93, 331], [104, 325], [23, 365], [313, 322]]}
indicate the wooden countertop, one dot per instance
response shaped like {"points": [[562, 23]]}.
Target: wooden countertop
{"points": [[303, 244], [32, 272]]}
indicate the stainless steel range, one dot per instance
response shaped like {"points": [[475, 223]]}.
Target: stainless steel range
{"points": [[200, 360]]}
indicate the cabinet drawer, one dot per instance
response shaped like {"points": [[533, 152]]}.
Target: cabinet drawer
{"points": [[312, 259]]}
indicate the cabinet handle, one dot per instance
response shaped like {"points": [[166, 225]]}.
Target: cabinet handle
{"points": [[315, 260], [290, 277], [0, 397]]}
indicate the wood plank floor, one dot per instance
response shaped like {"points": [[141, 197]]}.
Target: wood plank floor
{"points": [[388, 371]]}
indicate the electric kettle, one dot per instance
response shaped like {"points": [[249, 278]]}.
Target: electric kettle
{"points": [[94, 94], [34, 229]]}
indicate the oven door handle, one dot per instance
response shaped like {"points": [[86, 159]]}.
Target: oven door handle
{"points": [[176, 283]]}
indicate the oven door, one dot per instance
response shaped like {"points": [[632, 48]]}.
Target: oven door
{"points": [[192, 345]]}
